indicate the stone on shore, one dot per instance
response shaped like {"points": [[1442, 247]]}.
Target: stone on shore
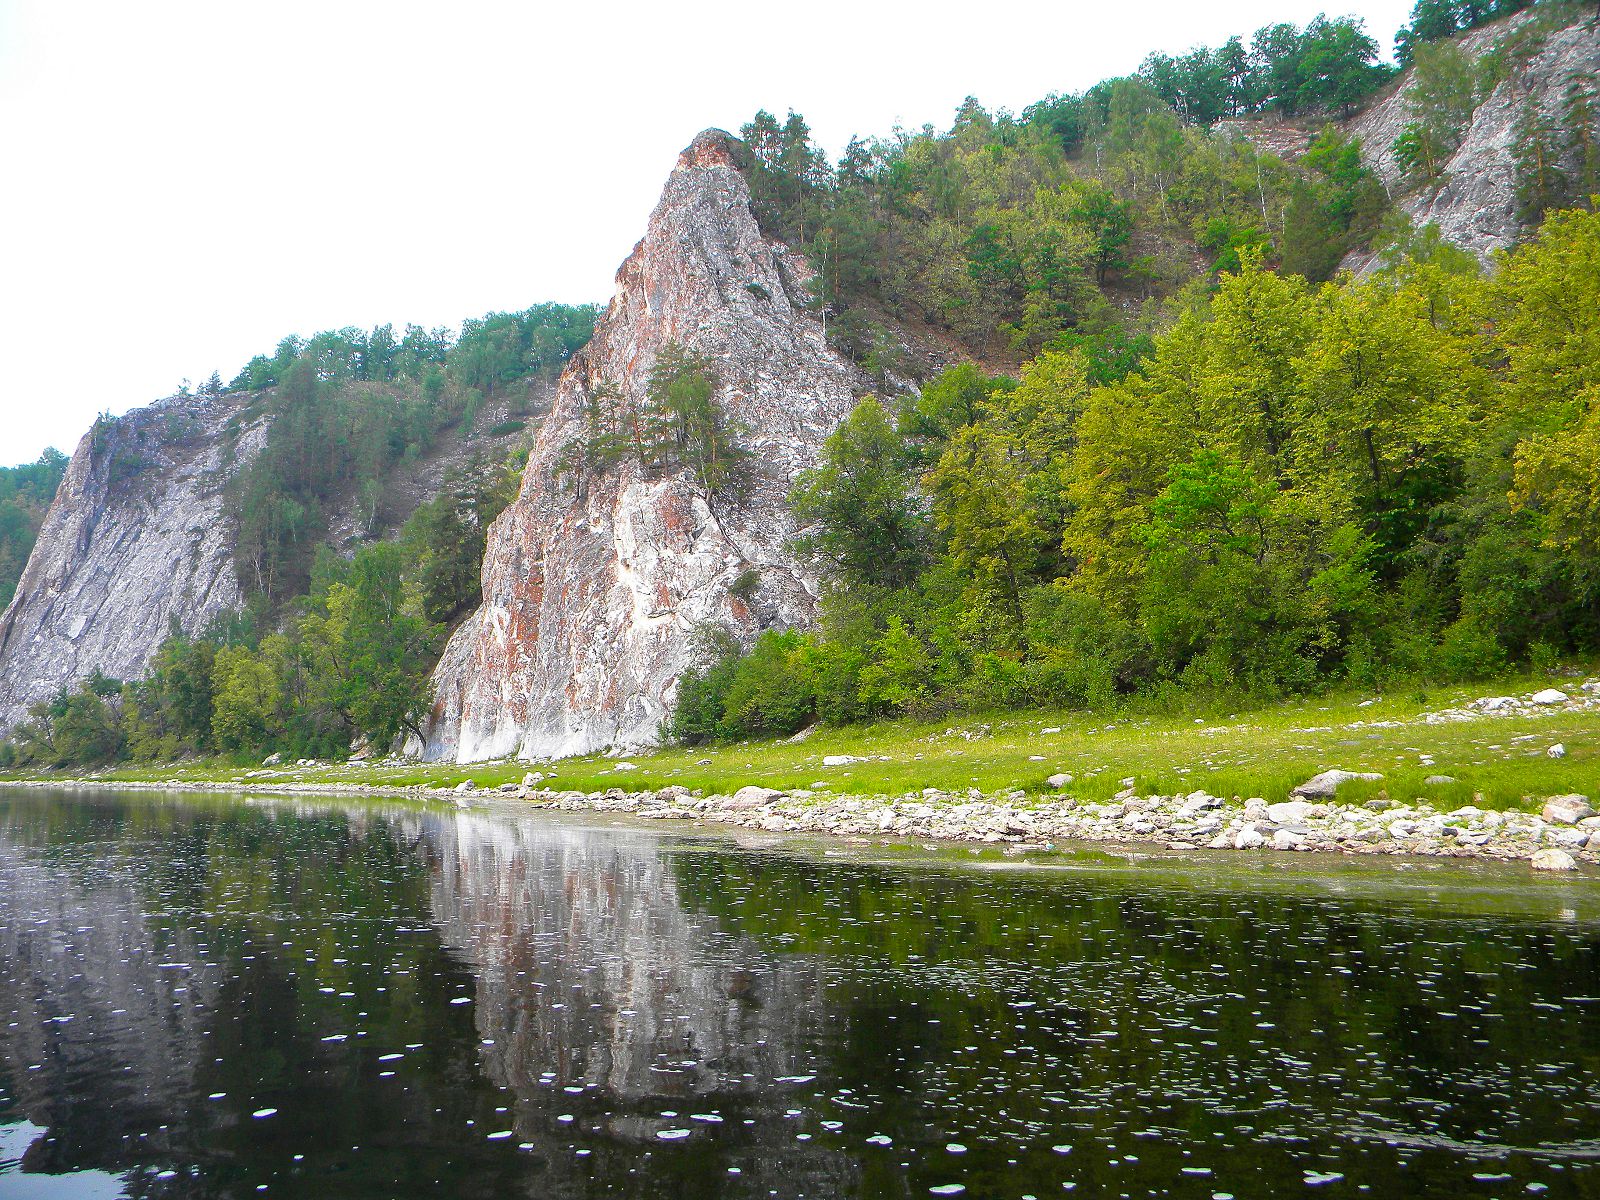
{"points": [[752, 796], [1567, 810], [1290, 812], [1549, 696], [1248, 838], [1551, 859], [1327, 784]]}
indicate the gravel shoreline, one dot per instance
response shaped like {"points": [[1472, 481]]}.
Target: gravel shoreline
{"points": [[1563, 837]]}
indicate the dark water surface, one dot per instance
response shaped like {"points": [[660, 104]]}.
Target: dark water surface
{"points": [[221, 998]]}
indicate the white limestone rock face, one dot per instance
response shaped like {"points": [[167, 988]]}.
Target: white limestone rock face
{"points": [[136, 537], [1474, 201], [593, 583]]}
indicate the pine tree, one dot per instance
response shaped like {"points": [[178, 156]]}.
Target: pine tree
{"points": [[1540, 182]]}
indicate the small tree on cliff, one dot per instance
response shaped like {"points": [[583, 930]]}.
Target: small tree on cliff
{"points": [[685, 424]]}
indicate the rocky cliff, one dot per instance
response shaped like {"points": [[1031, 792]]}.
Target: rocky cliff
{"points": [[1474, 200], [135, 539], [139, 535], [595, 581]]}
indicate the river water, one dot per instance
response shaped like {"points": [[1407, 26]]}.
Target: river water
{"points": [[208, 997]]}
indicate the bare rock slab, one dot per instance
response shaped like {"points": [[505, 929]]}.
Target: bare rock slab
{"points": [[1567, 810]]}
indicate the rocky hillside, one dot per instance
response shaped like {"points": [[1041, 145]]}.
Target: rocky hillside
{"points": [[135, 539], [140, 536], [1474, 198], [596, 580]]}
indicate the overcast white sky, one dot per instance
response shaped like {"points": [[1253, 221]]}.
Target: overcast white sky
{"points": [[182, 184]]}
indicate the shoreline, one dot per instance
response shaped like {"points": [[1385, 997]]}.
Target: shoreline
{"points": [[1013, 823]]}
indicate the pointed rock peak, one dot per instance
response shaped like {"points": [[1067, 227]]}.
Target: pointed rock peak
{"points": [[713, 148]]}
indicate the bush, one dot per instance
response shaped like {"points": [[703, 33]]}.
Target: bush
{"points": [[770, 694], [1470, 651], [702, 689]]}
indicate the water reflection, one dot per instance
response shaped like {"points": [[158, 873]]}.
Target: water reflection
{"points": [[208, 999]]}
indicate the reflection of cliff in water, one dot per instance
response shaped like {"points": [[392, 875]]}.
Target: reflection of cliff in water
{"points": [[165, 972], [106, 1008], [591, 970], [590, 967]]}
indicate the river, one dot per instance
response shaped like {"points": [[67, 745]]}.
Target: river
{"points": [[214, 997]]}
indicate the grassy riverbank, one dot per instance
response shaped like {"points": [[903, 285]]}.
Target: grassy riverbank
{"points": [[1497, 760]]}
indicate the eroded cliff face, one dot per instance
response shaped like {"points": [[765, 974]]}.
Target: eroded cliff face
{"points": [[1474, 200], [594, 582], [139, 534], [135, 539]]}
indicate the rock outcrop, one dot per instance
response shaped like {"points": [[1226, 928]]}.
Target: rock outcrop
{"points": [[135, 540], [139, 534], [1474, 200], [594, 581]]}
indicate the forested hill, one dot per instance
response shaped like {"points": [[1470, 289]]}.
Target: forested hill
{"points": [[1073, 220], [25, 494]]}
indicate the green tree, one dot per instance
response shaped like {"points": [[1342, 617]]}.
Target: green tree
{"points": [[247, 701], [686, 424], [857, 509], [980, 505]]}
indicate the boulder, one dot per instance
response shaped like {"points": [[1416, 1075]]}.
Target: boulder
{"points": [[1059, 780], [1549, 696], [1552, 859], [1248, 838], [673, 793], [1567, 810], [1287, 839], [752, 796], [1438, 780], [840, 760], [1491, 704], [465, 786], [1557, 751], [1196, 803], [1327, 784], [272, 759], [1290, 812]]}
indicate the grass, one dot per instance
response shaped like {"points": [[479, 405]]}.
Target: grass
{"points": [[1498, 762]]}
